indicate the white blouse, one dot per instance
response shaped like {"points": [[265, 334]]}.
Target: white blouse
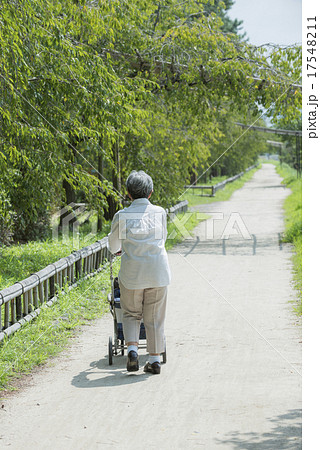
{"points": [[140, 231]]}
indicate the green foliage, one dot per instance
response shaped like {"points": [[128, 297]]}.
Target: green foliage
{"points": [[6, 219], [286, 111], [293, 223], [21, 260], [126, 85], [293, 204], [61, 103]]}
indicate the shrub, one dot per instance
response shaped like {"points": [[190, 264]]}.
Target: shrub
{"points": [[6, 220]]}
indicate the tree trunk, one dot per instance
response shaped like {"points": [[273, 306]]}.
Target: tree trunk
{"points": [[193, 177], [116, 182], [70, 194], [100, 176]]}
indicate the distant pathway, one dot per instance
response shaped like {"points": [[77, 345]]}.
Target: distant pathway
{"points": [[232, 380]]}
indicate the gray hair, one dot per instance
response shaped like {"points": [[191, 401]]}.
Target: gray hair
{"points": [[139, 184]]}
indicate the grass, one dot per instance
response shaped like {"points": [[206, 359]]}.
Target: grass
{"points": [[221, 195], [293, 224], [19, 261]]}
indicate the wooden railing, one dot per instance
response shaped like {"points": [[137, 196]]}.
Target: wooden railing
{"points": [[251, 167], [214, 188], [178, 208], [21, 302]]}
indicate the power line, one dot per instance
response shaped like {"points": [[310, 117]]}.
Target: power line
{"points": [[271, 130]]}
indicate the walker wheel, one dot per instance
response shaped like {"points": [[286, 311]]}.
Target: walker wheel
{"points": [[110, 351]]}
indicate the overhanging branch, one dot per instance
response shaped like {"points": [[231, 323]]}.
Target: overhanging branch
{"points": [[137, 62]]}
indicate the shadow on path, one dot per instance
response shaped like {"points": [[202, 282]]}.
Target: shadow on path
{"points": [[286, 434], [100, 374], [264, 244]]}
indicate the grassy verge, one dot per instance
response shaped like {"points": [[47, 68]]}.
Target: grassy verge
{"points": [[222, 195], [18, 261], [293, 224]]}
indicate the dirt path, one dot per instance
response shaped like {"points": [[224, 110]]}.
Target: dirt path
{"points": [[232, 380]]}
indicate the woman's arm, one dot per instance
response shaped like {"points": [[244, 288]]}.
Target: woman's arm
{"points": [[114, 243]]}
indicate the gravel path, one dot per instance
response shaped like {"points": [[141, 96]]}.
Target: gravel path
{"points": [[232, 380]]}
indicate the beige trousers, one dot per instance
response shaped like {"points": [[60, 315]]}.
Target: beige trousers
{"points": [[147, 304]]}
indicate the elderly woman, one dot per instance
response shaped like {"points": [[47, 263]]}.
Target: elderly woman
{"points": [[140, 232]]}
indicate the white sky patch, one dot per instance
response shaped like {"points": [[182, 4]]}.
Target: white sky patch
{"points": [[270, 21]]}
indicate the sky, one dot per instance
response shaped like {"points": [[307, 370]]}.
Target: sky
{"points": [[269, 21]]}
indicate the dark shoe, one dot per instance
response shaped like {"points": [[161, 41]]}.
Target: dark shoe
{"points": [[152, 368], [132, 361]]}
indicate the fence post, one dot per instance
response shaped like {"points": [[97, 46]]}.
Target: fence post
{"points": [[19, 308], [6, 315], [30, 305], [46, 290], [35, 297], [13, 311], [52, 288], [41, 296], [79, 268], [72, 273], [25, 303]]}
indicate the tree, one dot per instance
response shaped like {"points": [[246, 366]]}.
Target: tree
{"points": [[91, 90], [221, 8]]}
